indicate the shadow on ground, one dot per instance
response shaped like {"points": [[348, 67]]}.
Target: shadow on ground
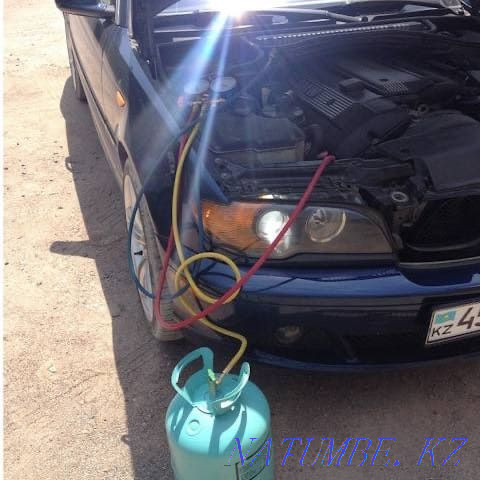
{"points": [[408, 406]]}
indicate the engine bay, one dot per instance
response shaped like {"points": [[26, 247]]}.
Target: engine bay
{"points": [[403, 123]]}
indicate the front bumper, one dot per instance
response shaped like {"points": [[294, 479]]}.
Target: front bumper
{"points": [[351, 318]]}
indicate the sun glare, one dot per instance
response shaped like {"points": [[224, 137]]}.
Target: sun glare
{"points": [[236, 8]]}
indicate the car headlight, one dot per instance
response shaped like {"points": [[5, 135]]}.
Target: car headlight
{"points": [[251, 227]]}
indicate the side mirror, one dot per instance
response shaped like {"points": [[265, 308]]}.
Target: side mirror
{"points": [[86, 8]]}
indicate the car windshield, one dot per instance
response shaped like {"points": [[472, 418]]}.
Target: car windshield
{"points": [[193, 5]]}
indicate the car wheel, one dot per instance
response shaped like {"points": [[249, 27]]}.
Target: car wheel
{"points": [[77, 83], [146, 256]]}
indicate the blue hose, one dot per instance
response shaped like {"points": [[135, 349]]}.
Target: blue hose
{"points": [[140, 195]]}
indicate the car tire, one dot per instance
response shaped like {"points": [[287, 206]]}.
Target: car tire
{"points": [[146, 254], [77, 83]]}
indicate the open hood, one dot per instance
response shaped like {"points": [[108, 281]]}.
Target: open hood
{"points": [[473, 5]]}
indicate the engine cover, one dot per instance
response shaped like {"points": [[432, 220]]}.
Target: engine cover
{"points": [[352, 116]]}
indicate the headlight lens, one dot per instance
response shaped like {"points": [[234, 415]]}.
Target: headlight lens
{"points": [[324, 224], [251, 227], [269, 225]]}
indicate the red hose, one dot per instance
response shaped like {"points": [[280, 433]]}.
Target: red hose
{"points": [[161, 282], [258, 264]]}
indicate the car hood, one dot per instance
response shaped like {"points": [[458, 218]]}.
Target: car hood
{"points": [[160, 5]]}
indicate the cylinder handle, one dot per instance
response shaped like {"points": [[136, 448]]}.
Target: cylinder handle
{"points": [[207, 356]]}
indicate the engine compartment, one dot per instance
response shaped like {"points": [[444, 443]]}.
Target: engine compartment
{"points": [[403, 123]]}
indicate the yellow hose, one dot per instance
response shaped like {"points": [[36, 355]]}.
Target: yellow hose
{"points": [[176, 233], [184, 264]]}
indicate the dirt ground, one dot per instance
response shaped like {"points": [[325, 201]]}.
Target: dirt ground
{"points": [[85, 386]]}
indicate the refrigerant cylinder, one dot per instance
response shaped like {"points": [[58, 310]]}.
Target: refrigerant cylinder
{"points": [[206, 423]]}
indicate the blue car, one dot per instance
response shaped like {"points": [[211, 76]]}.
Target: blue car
{"points": [[340, 137]]}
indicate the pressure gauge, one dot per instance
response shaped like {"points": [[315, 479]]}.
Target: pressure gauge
{"points": [[198, 87], [223, 85]]}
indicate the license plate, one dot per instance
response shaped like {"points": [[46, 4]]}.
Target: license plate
{"points": [[452, 323]]}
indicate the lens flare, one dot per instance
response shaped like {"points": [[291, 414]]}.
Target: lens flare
{"points": [[201, 154], [236, 8], [191, 72], [194, 66]]}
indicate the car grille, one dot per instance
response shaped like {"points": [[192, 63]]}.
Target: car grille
{"points": [[447, 229]]}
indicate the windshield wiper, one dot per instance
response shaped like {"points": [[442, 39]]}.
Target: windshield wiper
{"points": [[453, 5], [298, 14], [310, 12]]}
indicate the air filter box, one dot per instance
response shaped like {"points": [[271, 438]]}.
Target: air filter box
{"points": [[256, 141]]}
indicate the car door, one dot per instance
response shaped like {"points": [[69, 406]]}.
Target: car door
{"points": [[88, 39]]}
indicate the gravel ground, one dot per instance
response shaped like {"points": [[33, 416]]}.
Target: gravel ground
{"points": [[86, 386]]}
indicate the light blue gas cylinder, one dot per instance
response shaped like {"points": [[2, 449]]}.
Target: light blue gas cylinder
{"points": [[206, 423]]}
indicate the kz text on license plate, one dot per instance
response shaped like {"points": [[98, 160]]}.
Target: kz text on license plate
{"points": [[454, 322]]}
